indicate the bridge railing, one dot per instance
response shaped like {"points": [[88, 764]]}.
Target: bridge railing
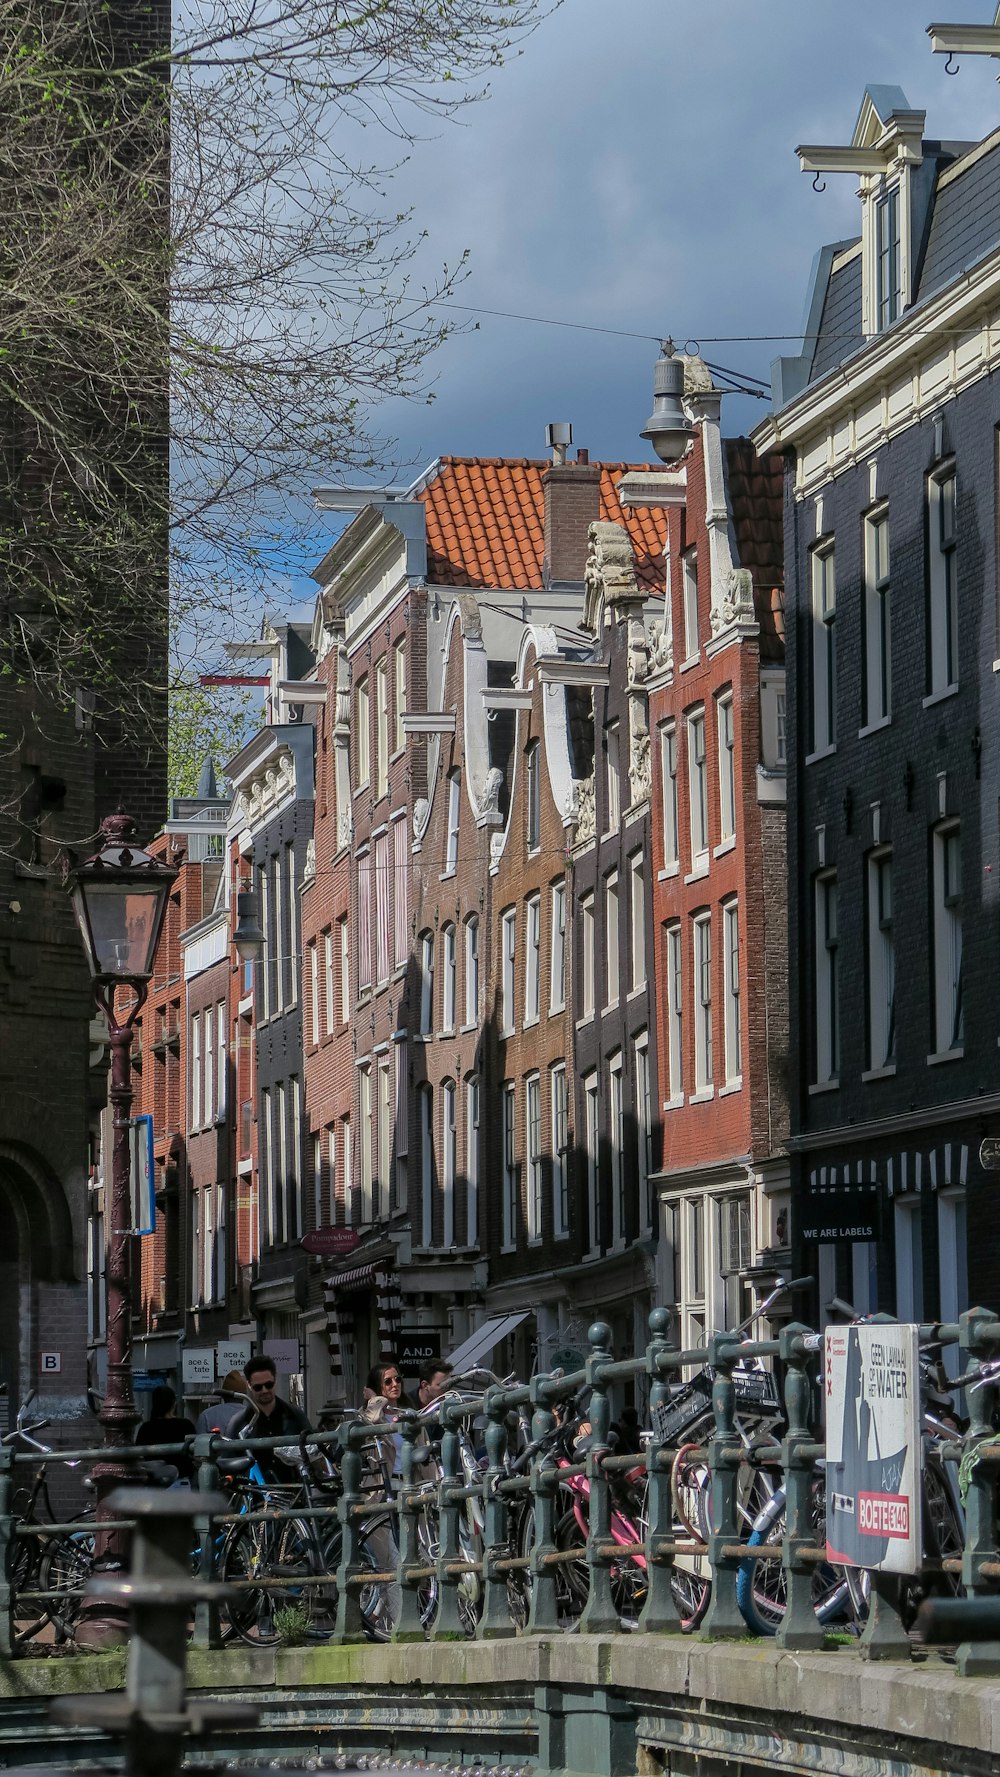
{"points": [[483, 1550]]}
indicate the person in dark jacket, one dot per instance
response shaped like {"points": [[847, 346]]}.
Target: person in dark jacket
{"points": [[164, 1427], [276, 1418]]}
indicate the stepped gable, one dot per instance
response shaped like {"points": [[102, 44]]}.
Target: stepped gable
{"points": [[485, 523]]}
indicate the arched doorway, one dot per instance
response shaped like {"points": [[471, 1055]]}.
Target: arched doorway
{"points": [[36, 1250]]}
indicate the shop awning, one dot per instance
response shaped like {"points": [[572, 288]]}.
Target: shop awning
{"points": [[484, 1340], [359, 1277]]}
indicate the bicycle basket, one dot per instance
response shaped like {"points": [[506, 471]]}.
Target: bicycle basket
{"points": [[757, 1389], [689, 1404]]}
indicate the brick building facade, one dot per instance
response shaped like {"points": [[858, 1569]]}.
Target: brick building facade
{"points": [[716, 698], [889, 423]]}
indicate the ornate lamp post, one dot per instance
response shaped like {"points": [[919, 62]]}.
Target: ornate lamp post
{"points": [[120, 899]]}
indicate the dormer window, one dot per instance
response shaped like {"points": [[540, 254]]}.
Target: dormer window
{"points": [[888, 270]]}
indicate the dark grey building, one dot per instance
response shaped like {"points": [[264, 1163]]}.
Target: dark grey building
{"points": [[889, 423]]}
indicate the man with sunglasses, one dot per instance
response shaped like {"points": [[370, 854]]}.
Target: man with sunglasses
{"points": [[276, 1417]]}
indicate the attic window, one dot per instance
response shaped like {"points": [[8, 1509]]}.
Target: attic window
{"points": [[888, 271]]}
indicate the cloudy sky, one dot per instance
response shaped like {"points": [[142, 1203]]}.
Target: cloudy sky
{"points": [[634, 171]]}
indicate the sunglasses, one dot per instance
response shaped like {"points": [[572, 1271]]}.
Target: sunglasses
{"points": [[262, 1387], [391, 1382]]}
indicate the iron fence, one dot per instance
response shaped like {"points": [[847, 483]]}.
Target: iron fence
{"points": [[481, 1550]]}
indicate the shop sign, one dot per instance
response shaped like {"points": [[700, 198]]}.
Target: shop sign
{"points": [[848, 1214], [331, 1243], [416, 1346], [198, 1364], [285, 1353], [232, 1354]]}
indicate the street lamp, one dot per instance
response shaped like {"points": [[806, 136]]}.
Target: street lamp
{"points": [[120, 899], [668, 428]]}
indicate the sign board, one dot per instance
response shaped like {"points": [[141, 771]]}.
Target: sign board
{"points": [[231, 1354], [51, 1363], [285, 1353], [414, 1346], [198, 1363], [849, 1214], [989, 1154], [141, 1174], [143, 1382], [872, 1398], [331, 1243]]}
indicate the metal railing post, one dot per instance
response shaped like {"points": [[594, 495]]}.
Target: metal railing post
{"points": [[723, 1619], [599, 1614], [979, 1658], [495, 1623], [411, 1554], [659, 1613], [543, 1615], [350, 1624], [207, 1632], [7, 1547], [799, 1627], [447, 1625]]}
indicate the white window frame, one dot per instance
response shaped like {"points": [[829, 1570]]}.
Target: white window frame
{"points": [[281, 1161], [557, 949], [472, 970], [194, 1121], [295, 1229], [364, 921], [697, 788], [726, 731], [585, 908], [877, 684], [668, 773], [382, 1194], [400, 895], [559, 1106], [346, 1169], [345, 970], [637, 919], [823, 572], [449, 1162], [732, 985], [454, 821], [426, 942], [674, 952], [612, 941], [827, 977], [533, 768], [313, 949], [280, 939], [472, 1112], [401, 1131], [449, 977], [399, 675], [643, 1128], [942, 592], [291, 895], [508, 1130], [949, 1011], [222, 1060], [616, 1128], [592, 1141], [701, 953], [366, 1136], [267, 954], [508, 961], [362, 737], [689, 599], [425, 1098], [329, 984], [888, 243], [532, 959], [533, 1147], [953, 1266], [209, 1045], [265, 1167], [881, 959], [612, 778], [381, 728], [383, 916], [908, 1247]]}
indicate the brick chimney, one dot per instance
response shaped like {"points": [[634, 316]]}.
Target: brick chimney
{"points": [[572, 504]]}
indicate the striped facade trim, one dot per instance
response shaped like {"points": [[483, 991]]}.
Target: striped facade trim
{"points": [[340, 1293], [905, 1174]]}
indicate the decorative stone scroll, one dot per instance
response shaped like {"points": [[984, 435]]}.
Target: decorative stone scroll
{"points": [[609, 577]]}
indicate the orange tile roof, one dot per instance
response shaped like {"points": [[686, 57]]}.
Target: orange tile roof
{"points": [[486, 523]]}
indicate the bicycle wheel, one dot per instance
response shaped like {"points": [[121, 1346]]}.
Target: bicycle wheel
{"points": [[255, 1557], [761, 1589], [572, 1577], [66, 1565], [381, 1601], [30, 1614]]}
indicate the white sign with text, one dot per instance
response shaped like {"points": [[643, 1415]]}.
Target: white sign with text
{"points": [[871, 1390]]}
